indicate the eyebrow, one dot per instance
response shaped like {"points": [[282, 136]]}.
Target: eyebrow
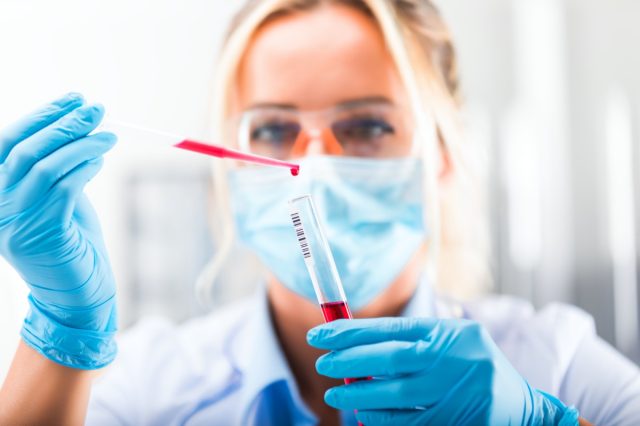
{"points": [[349, 103], [277, 105]]}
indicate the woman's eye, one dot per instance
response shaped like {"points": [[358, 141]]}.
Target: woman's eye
{"points": [[362, 129], [275, 133]]}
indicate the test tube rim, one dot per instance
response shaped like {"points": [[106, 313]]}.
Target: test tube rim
{"points": [[296, 199]]}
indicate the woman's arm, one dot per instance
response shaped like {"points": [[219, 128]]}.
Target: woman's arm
{"points": [[39, 391], [51, 236]]}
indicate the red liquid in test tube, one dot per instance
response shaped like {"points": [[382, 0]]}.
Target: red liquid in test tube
{"points": [[335, 310], [339, 310]]}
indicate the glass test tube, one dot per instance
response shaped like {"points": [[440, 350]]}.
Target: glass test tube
{"points": [[320, 264], [318, 259]]}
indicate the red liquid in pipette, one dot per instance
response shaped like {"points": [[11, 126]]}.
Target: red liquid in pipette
{"points": [[338, 310], [221, 152]]}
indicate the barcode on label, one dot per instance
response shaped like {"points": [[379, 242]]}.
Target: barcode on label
{"points": [[302, 239]]}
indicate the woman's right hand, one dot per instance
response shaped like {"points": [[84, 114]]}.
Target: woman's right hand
{"points": [[50, 234]]}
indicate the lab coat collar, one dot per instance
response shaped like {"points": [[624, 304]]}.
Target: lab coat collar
{"points": [[261, 362]]}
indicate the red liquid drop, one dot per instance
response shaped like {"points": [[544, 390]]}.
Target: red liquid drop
{"points": [[295, 171]]}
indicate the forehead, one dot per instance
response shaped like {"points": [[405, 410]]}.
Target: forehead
{"points": [[315, 59]]}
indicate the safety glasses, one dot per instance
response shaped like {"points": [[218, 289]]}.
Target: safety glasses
{"points": [[370, 128]]}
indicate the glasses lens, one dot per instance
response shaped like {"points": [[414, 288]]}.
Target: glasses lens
{"points": [[377, 132], [270, 133]]}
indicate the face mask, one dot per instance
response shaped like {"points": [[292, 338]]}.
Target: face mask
{"points": [[371, 211]]}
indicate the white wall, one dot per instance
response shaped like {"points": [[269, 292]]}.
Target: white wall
{"points": [[558, 82]]}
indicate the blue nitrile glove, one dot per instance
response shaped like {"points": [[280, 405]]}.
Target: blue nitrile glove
{"points": [[50, 234], [428, 371]]}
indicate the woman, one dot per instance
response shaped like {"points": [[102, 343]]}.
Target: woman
{"points": [[364, 95]]}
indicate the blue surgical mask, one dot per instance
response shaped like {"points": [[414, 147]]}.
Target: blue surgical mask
{"points": [[371, 211]]}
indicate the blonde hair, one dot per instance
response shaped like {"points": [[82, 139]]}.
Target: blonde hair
{"points": [[421, 47]]}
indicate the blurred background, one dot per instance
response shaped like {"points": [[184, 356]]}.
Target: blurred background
{"points": [[552, 89]]}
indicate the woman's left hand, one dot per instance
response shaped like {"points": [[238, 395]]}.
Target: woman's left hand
{"points": [[428, 371]]}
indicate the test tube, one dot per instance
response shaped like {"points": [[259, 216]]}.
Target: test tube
{"points": [[319, 262], [318, 259]]}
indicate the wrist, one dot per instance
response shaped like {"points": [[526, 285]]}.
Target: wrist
{"points": [[73, 344], [78, 297]]}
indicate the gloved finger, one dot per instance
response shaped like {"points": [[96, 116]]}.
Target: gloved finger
{"points": [[378, 394], [72, 126], [65, 192], [46, 172], [37, 120], [390, 358], [396, 417], [341, 334]]}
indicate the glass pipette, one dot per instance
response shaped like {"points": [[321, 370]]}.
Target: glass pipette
{"points": [[194, 145], [320, 263]]}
